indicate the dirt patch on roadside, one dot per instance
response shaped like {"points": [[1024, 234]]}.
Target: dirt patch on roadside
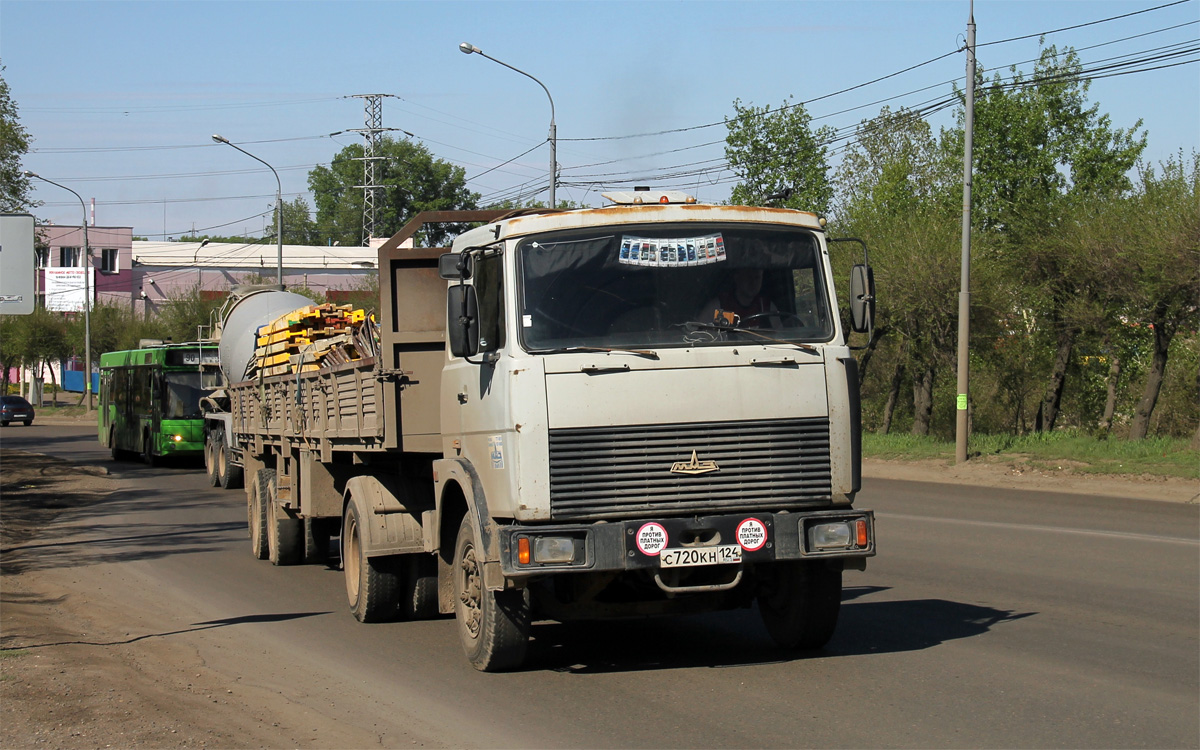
{"points": [[80, 669], [1015, 473]]}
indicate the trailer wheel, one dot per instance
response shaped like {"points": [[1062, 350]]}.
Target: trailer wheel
{"points": [[372, 583], [230, 475], [212, 444], [800, 602], [492, 625], [285, 534], [419, 597], [316, 540], [256, 511]]}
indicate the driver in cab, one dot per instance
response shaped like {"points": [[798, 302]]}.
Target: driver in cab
{"points": [[743, 298]]}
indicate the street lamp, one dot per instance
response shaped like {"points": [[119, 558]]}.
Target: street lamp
{"points": [[87, 295], [278, 204], [467, 48]]}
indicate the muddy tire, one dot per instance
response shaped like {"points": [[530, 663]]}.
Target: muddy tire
{"points": [[492, 625], [372, 583], [316, 540], [799, 603], [256, 511], [212, 444], [285, 533], [229, 475], [419, 593]]}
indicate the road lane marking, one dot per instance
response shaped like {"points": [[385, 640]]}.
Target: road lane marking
{"points": [[1052, 529]]}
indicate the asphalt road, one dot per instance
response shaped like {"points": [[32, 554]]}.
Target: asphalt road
{"points": [[990, 618]]}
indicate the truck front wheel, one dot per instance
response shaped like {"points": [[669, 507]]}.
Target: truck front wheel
{"points": [[492, 625], [799, 603], [372, 583]]}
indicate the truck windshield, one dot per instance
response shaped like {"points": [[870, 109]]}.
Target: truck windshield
{"points": [[184, 391], [672, 286]]}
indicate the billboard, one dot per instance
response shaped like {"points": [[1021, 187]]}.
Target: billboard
{"points": [[65, 290], [16, 264]]}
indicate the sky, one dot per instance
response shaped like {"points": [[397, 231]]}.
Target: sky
{"points": [[121, 98]]}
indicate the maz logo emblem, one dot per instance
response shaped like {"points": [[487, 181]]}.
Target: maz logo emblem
{"points": [[695, 466]]}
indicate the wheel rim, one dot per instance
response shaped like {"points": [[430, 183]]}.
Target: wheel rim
{"points": [[470, 591], [351, 562]]}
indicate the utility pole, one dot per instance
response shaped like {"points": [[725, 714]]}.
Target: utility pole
{"points": [[964, 294], [373, 106]]}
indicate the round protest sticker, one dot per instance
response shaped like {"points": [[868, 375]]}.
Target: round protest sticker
{"points": [[751, 534], [651, 539]]}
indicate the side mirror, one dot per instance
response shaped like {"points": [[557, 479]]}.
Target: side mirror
{"points": [[454, 266], [462, 313], [862, 298]]}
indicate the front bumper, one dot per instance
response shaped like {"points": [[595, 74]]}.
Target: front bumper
{"points": [[637, 544]]}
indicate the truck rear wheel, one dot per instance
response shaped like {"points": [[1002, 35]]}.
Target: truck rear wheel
{"points": [[419, 596], [285, 534], [372, 583], [800, 603], [256, 511], [212, 444], [230, 474], [316, 540], [492, 625]]}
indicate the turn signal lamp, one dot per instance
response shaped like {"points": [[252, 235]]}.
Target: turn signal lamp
{"points": [[523, 550], [860, 528]]}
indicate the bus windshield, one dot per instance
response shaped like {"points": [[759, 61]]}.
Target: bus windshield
{"points": [[673, 286], [184, 390]]}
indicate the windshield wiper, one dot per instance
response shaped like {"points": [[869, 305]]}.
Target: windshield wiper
{"points": [[736, 329], [607, 350]]}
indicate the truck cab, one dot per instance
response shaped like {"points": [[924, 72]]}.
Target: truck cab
{"points": [[646, 408]]}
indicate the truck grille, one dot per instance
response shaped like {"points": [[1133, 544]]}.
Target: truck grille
{"points": [[623, 471]]}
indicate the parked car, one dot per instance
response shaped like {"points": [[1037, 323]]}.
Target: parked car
{"points": [[15, 409]]}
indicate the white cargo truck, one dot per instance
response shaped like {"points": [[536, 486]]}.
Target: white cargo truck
{"points": [[646, 408]]}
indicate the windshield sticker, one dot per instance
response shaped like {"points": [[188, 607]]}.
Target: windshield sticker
{"points": [[672, 253]]}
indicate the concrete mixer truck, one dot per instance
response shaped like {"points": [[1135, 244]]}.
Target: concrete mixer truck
{"points": [[642, 409]]}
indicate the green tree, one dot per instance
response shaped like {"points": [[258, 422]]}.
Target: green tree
{"points": [[1161, 247], [1040, 152], [895, 191], [298, 226], [413, 180], [778, 157], [14, 144]]}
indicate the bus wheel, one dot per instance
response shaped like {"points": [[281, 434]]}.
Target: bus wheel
{"points": [[256, 511], [212, 444], [800, 602], [419, 594], [492, 625], [116, 453], [372, 583], [147, 454], [229, 475], [285, 534]]}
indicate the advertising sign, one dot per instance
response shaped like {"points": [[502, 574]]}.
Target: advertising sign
{"points": [[65, 289]]}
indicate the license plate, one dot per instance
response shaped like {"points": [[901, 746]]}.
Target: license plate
{"points": [[681, 558]]}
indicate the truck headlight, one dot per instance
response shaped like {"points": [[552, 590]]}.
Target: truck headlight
{"points": [[553, 549], [837, 535]]}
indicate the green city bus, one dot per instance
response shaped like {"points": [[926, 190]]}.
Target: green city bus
{"points": [[150, 400]]}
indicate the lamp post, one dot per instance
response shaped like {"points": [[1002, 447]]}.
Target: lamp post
{"points": [[278, 205], [87, 295], [467, 48]]}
